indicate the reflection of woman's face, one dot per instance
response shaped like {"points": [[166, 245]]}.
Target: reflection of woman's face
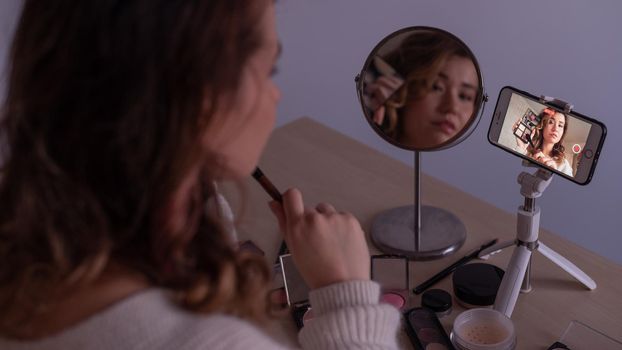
{"points": [[554, 128], [442, 112]]}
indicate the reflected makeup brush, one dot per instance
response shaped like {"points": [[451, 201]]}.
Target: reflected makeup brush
{"points": [[269, 187], [528, 137]]}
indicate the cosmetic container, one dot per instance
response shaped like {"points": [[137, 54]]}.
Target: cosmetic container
{"points": [[438, 301], [476, 285], [483, 329]]}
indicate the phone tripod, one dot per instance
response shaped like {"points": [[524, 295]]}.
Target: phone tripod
{"points": [[528, 222]]}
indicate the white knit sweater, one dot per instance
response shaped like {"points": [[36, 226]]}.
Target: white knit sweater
{"points": [[348, 316]]}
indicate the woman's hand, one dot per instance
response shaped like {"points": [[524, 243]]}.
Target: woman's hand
{"points": [[379, 115], [327, 246], [381, 89], [544, 159]]}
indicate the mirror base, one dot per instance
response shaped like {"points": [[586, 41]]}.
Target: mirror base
{"points": [[441, 232]]}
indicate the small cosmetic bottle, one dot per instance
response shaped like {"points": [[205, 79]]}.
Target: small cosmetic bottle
{"points": [[391, 272], [438, 301]]}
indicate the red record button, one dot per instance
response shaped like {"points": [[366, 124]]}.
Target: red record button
{"points": [[576, 148]]}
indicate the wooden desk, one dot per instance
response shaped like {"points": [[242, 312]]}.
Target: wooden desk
{"points": [[328, 166]]}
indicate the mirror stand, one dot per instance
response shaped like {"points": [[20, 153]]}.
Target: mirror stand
{"points": [[416, 231]]}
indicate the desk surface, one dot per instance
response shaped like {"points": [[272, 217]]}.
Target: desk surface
{"points": [[331, 167]]}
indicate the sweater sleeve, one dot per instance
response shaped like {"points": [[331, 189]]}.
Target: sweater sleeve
{"points": [[348, 315]]}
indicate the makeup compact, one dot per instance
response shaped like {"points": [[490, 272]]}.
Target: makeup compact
{"points": [[476, 285], [391, 272], [296, 291], [425, 330]]}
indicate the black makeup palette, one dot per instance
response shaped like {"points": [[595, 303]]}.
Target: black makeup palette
{"points": [[297, 292], [527, 123], [425, 330]]}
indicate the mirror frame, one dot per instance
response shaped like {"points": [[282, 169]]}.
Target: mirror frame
{"points": [[480, 99]]}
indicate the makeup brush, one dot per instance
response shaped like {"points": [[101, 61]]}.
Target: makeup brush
{"points": [[269, 187]]}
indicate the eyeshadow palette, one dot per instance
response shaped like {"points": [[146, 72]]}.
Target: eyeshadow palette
{"points": [[425, 331]]}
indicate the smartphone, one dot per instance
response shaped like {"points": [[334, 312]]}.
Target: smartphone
{"points": [[564, 142]]}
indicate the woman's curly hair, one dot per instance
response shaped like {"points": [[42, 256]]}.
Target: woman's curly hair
{"points": [[106, 109]]}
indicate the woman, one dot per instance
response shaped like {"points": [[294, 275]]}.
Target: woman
{"points": [[438, 97], [120, 117], [546, 141]]}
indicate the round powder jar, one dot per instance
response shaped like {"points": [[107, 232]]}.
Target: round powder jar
{"points": [[476, 285], [483, 329]]}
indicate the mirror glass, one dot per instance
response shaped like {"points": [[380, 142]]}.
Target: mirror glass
{"points": [[421, 89]]}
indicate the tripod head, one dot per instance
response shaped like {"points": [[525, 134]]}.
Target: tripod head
{"points": [[533, 185]]}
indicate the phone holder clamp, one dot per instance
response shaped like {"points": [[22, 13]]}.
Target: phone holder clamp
{"points": [[555, 102]]}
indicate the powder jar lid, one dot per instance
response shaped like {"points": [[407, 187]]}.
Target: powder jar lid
{"points": [[436, 300], [477, 284]]}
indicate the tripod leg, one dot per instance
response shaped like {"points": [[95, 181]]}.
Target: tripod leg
{"points": [[512, 281], [526, 286], [568, 266]]}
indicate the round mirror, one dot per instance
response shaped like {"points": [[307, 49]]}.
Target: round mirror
{"points": [[421, 89]]}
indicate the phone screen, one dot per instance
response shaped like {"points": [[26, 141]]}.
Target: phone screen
{"points": [[552, 138]]}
